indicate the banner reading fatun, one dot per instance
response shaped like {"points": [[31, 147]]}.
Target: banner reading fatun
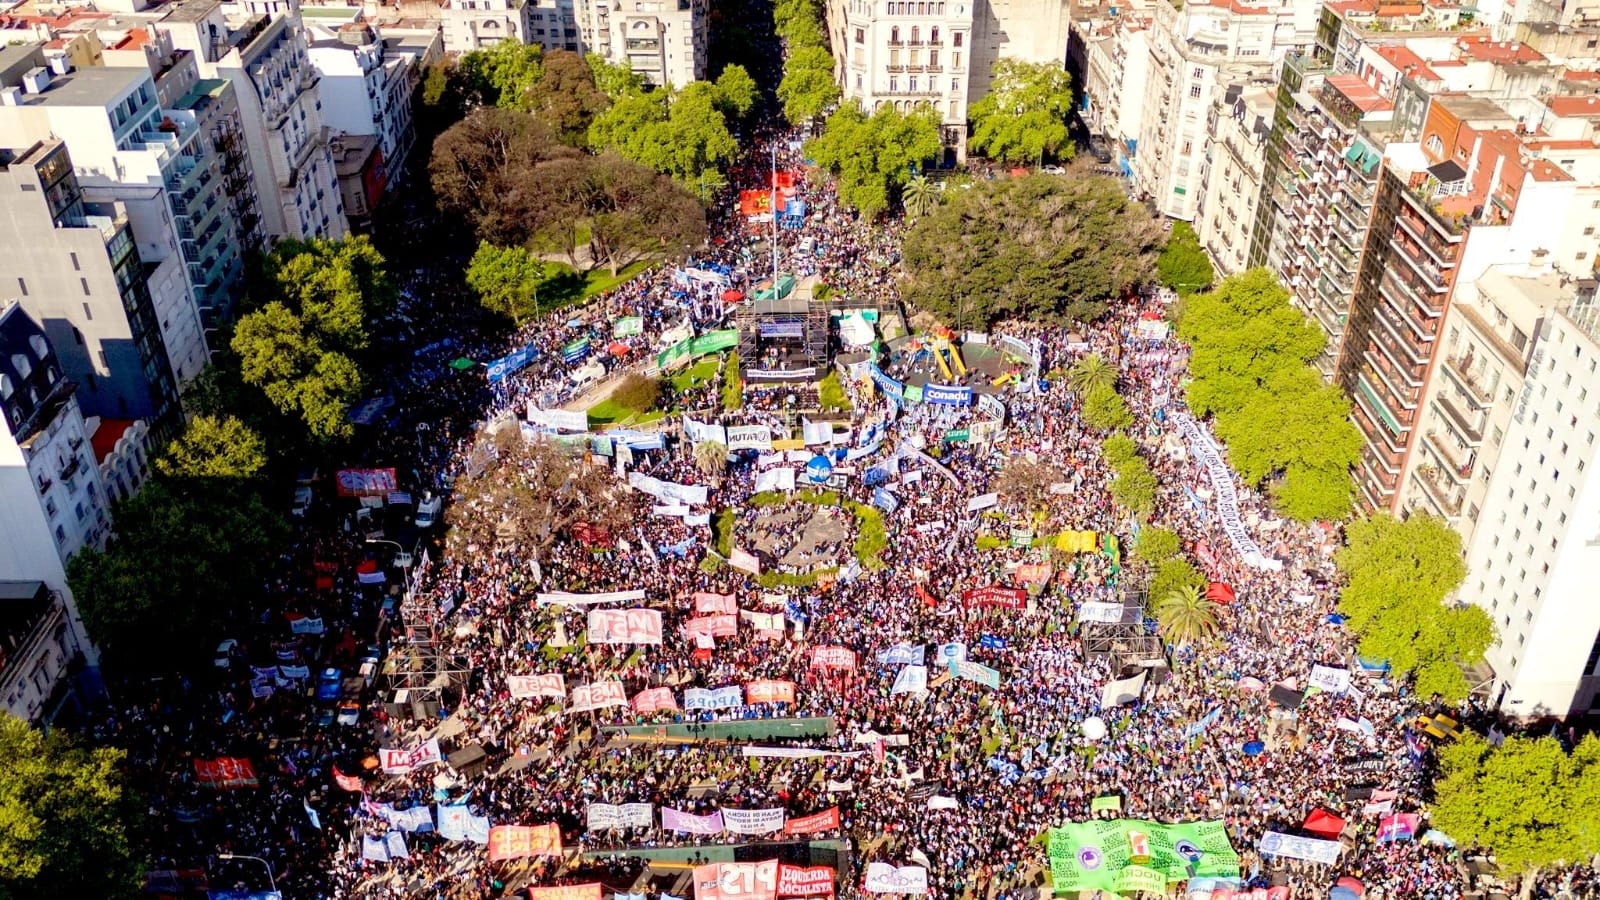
{"points": [[1129, 855]]}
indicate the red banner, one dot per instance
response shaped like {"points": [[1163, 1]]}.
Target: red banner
{"points": [[226, 773], [736, 881], [769, 692], [822, 821], [350, 783], [755, 203], [994, 595], [705, 602], [366, 482], [801, 881], [589, 891], [653, 699], [833, 658], [518, 841], [721, 625]]}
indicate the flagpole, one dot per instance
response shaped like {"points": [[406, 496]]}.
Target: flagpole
{"points": [[774, 149]]}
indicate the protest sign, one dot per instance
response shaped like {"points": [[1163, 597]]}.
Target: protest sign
{"points": [[912, 680], [715, 698], [1126, 690], [624, 626], [601, 694], [688, 823], [653, 700], [365, 482], [1275, 843], [563, 598], [456, 823], [1329, 679], [523, 686], [822, 821], [721, 625], [903, 654], [625, 815], [401, 762], [971, 671], [804, 881], [1222, 488], [736, 881], [705, 602], [769, 692], [590, 891], [883, 878], [994, 595], [521, 841], [1100, 855], [753, 821], [226, 773], [833, 658]]}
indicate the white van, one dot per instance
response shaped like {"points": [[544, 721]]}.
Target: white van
{"points": [[428, 509]]}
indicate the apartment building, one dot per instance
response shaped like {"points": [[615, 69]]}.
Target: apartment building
{"points": [[665, 41], [479, 24], [1196, 52], [1532, 566], [1115, 72], [42, 416], [905, 53], [130, 152], [280, 112], [1231, 176]]}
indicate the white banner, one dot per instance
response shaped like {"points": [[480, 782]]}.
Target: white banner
{"points": [[626, 815], [524, 686], [1227, 501], [763, 621], [401, 762], [816, 432], [562, 598], [596, 696], [557, 419], [749, 750], [749, 437], [668, 491], [1327, 678], [1295, 847], [716, 698], [752, 821], [1117, 693], [982, 501], [697, 432], [417, 818], [1108, 613], [883, 878], [624, 626], [911, 680], [775, 480]]}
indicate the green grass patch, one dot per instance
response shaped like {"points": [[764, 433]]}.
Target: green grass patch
{"points": [[771, 580], [565, 286], [722, 531], [696, 375], [991, 542], [871, 537]]}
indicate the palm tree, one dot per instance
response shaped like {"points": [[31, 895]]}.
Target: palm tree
{"points": [[711, 457], [919, 197], [1186, 616], [1090, 374]]}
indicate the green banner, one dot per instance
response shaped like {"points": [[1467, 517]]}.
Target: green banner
{"points": [[461, 364], [628, 326], [710, 342], [1130, 855], [913, 393], [1022, 537], [958, 435], [1112, 803]]}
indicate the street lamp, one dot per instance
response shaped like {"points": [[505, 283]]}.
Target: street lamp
{"points": [[272, 883], [400, 554]]}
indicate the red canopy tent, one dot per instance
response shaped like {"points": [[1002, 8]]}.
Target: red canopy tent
{"points": [[731, 296], [617, 348], [1324, 824], [1220, 592]]}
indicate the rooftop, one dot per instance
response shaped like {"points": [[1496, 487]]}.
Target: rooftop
{"points": [[1580, 107], [1479, 112], [1481, 48], [190, 10], [1407, 61], [1359, 93], [92, 86], [105, 437]]}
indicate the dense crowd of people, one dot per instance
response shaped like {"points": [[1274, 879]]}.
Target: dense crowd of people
{"points": [[1203, 740]]}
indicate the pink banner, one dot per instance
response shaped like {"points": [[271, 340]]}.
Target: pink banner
{"points": [[833, 658], [994, 595], [736, 881], [711, 626], [624, 626], [769, 692], [800, 881], [654, 699], [589, 891], [522, 686], [715, 603], [822, 821], [594, 696], [365, 482], [673, 820], [518, 841]]}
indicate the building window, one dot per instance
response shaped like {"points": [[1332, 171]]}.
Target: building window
{"points": [[933, 38], [894, 85], [894, 35], [957, 43], [861, 35], [1194, 91]]}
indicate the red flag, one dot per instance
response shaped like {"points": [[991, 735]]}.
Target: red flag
{"points": [[350, 783], [877, 751]]}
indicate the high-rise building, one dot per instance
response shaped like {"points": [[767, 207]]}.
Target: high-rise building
{"points": [[1532, 564], [281, 116], [84, 280], [149, 161], [665, 41], [1230, 178], [479, 24], [1114, 72]]}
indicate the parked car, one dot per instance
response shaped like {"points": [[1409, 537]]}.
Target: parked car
{"points": [[349, 713], [428, 509], [1053, 170], [328, 684]]}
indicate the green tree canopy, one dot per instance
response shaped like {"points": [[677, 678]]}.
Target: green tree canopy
{"points": [[736, 92], [1090, 374], [1037, 247], [215, 540], [1185, 615], [1134, 486], [1527, 801], [1398, 574], [615, 80], [300, 348], [680, 133], [214, 447], [506, 280], [808, 87], [1298, 426], [565, 96], [501, 75], [1243, 334], [1105, 410], [873, 156], [1184, 265], [63, 817], [1024, 115], [1174, 573]]}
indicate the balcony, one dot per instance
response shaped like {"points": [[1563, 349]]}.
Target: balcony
{"points": [[1460, 371], [1468, 427], [1425, 269], [1444, 256], [1368, 401], [1442, 499], [1393, 371], [1452, 463]]}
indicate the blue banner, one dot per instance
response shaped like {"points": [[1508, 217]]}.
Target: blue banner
{"points": [[885, 383], [993, 642], [575, 351], [947, 395], [512, 362], [884, 500]]}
